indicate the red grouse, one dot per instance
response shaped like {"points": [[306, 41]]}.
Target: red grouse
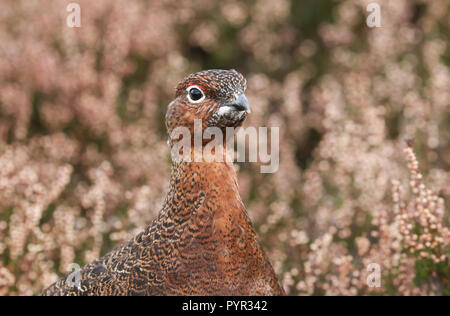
{"points": [[202, 242]]}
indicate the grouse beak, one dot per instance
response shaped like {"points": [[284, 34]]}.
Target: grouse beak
{"points": [[240, 103]]}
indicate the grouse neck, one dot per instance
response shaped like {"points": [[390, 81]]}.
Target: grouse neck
{"points": [[204, 176]]}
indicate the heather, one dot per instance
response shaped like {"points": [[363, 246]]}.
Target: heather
{"points": [[364, 173]]}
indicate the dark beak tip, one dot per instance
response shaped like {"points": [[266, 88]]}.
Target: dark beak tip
{"points": [[239, 104], [239, 107], [242, 103]]}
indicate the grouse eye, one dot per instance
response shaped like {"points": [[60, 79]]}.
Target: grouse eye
{"points": [[195, 94]]}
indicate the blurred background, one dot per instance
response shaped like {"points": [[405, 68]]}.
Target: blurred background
{"points": [[84, 163]]}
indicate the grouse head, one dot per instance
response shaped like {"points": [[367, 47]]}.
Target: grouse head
{"points": [[216, 97]]}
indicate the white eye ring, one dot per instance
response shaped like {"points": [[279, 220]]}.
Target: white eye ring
{"points": [[189, 94]]}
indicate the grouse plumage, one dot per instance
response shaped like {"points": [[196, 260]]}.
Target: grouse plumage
{"points": [[202, 242]]}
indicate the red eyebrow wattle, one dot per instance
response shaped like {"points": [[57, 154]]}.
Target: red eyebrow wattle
{"points": [[194, 84]]}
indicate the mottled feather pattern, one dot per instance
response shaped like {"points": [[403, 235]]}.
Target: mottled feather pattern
{"points": [[202, 242], [220, 84]]}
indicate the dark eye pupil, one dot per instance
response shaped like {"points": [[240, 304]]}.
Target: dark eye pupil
{"points": [[195, 94]]}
